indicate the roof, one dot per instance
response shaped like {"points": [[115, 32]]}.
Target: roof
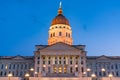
{"points": [[12, 57], [80, 47], [109, 57]]}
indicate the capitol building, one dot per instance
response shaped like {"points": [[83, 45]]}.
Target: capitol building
{"points": [[60, 58]]}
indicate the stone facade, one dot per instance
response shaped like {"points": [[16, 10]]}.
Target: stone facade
{"points": [[60, 60], [17, 65]]}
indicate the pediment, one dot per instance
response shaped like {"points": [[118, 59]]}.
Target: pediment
{"points": [[18, 57], [60, 46], [103, 57]]}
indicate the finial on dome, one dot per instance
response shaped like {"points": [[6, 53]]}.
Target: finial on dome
{"points": [[60, 4], [60, 8]]}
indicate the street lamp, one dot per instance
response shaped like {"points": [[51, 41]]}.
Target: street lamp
{"points": [[10, 75], [27, 76], [103, 70], [88, 70], [31, 71], [110, 76], [36, 74], [93, 76]]}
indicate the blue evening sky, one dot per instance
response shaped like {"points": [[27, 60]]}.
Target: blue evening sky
{"points": [[25, 23]]}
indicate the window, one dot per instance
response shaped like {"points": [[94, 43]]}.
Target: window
{"points": [[14, 66], [38, 62], [21, 73], [59, 62], [49, 57], [70, 62], [21, 66], [81, 62], [53, 34], [48, 62], [55, 57], [116, 66], [55, 62], [76, 69], [25, 66], [111, 66], [9, 66], [76, 62], [43, 69], [5, 74], [48, 69], [18, 66], [43, 62], [71, 69], [82, 69], [2, 66], [64, 62], [59, 57], [60, 33], [38, 57], [69, 35], [43, 57], [1, 73], [66, 34], [37, 69]]}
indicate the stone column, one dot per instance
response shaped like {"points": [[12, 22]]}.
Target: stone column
{"points": [[68, 65]]}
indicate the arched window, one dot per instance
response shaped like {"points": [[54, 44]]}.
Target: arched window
{"points": [[66, 34], [69, 35], [60, 33], [53, 34]]}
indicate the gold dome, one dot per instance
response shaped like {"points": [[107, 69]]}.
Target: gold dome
{"points": [[60, 18]]}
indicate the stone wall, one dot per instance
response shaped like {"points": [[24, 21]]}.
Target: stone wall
{"points": [[58, 78], [11, 78]]}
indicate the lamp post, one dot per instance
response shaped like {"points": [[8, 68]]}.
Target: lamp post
{"points": [[88, 71], [9, 75], [110, 76], [93, 76], [27, 76], [36, 74], [103, 70], [31, 71]]}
